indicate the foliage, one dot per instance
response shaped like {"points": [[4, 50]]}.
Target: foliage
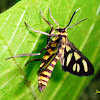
{"points": [[18, 81]]}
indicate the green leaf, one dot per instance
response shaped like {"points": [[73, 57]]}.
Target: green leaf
{"points": [[18, 81]]}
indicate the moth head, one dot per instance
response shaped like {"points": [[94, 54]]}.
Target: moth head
{"points": [[62, 31]]}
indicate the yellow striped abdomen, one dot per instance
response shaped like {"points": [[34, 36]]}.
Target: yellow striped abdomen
{"points": [[46, 71], [44, 76]]}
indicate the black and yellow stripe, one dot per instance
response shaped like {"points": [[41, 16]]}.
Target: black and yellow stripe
{"points": [[52, 48], [45, 74]]}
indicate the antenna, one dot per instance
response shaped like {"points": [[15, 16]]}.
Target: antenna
{"points": [[72, 18], [77, 23]]}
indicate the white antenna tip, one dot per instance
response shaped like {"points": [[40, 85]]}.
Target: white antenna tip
{"points": [[78, 9]]}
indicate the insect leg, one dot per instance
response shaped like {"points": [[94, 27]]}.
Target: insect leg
{"points": [[48, 39], [47, 47], [53, 19], [34, 60], [47, 22], [38, 59], [36, 30], [22, 55], [52, 35]]}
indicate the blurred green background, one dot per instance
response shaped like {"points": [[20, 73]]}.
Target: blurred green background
{"points": [[6, 4], [93, 86]]}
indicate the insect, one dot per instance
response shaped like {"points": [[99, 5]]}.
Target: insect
{"points": [[59, 48]]}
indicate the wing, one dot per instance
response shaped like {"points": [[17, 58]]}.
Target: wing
{"points": [[75, 62]]}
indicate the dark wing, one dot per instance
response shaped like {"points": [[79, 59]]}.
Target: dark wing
{"points": [[75, 62]]}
